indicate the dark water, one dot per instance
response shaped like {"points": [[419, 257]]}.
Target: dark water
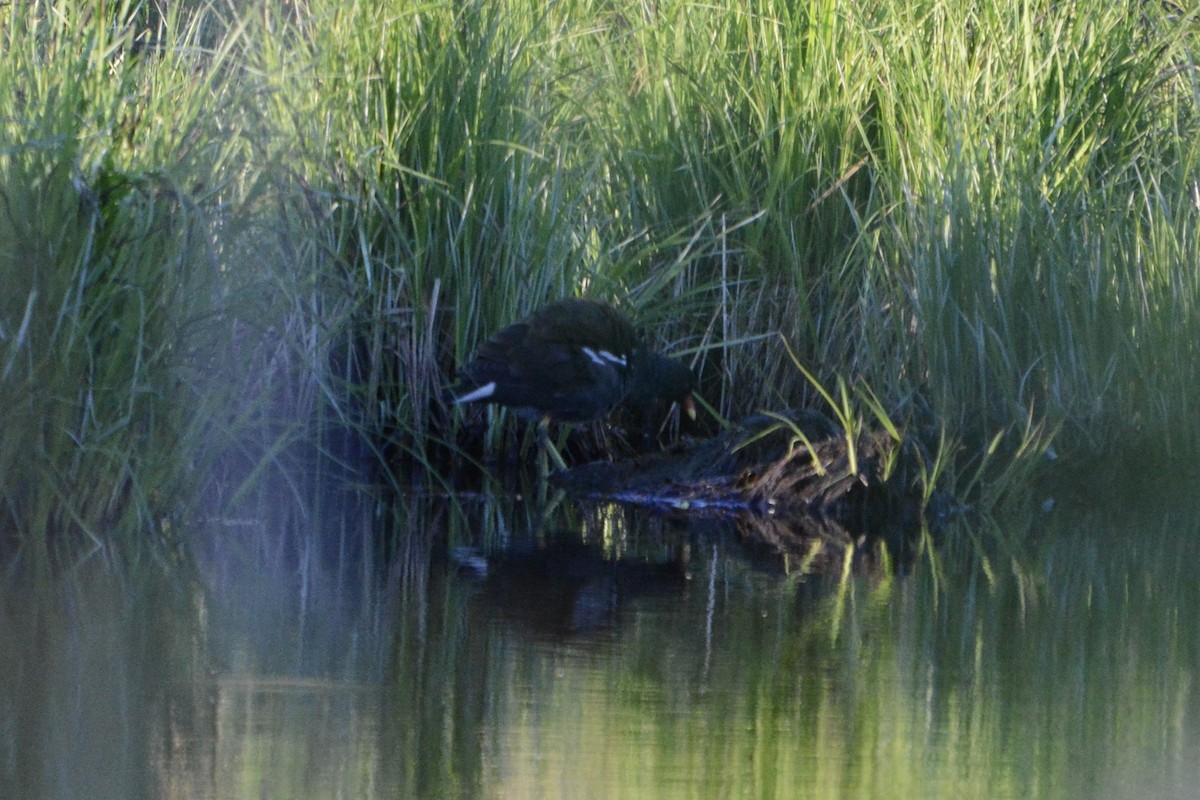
{"points": [[496, 649]]}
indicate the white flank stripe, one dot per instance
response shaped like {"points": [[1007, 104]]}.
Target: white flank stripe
{"points": [[613, 358], [592, 355], [483, 392]]}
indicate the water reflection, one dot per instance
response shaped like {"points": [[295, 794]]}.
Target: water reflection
{"points": [[476, 647], [564, 587]]}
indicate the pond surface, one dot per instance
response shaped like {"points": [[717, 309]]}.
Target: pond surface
{"points": [[497, 648]]}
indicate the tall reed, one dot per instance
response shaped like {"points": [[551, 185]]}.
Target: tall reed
{"points": [[105, 257]]}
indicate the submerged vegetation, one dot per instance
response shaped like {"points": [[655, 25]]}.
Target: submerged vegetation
{"points": [[232, 232]]}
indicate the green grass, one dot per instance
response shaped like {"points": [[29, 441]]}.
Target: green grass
{"points": [[230, 231]]}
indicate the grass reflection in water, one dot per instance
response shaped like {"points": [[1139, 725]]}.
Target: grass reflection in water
{"points": [[608, 653]]}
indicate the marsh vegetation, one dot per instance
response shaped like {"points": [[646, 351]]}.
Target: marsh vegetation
{"points": [[244, 247], [232, 233]]}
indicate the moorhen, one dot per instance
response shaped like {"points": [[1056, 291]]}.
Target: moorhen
{"points": [[574, 360]]}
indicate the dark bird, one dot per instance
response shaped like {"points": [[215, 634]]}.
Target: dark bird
{"points": [[572, 361]]}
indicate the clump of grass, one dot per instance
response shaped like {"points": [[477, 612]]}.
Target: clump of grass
{"points": [[252, 229], [877, 184], [959, 230], [102, 253], [1033, 201]]}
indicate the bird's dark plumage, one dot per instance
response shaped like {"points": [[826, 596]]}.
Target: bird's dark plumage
{"points": [[573, 361]]}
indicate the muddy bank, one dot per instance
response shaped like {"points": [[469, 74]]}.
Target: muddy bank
{"points": [[792, 482]]}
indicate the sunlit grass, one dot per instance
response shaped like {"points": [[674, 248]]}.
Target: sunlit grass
{"points": [[250, 229], [103, 254]]}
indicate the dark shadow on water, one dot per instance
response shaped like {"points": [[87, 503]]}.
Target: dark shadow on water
{"points": [[566, 587]]}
